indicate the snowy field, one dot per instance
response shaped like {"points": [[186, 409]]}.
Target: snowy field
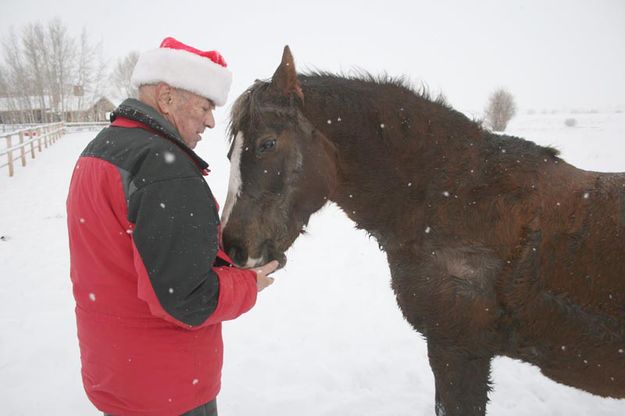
{"points": [[326, 339]]}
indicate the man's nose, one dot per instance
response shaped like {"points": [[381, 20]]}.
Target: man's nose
{"points": [[209, 121]]}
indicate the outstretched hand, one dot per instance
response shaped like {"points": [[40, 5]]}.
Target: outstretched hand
{"points": [[262, 274]]}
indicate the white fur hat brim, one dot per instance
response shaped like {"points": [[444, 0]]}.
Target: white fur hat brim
{"points": [[184, 70]]}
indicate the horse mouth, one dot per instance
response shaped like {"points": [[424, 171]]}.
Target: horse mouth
{"points": [[277, 255], [269, 252]]}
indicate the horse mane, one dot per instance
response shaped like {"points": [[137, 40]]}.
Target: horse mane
{"points": [[401, 81], [352, 88], [248, 105]]}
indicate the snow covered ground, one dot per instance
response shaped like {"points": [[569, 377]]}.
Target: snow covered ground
{"points": [[326, 339]]}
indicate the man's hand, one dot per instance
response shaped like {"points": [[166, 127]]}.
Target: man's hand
{"points": [[262, 274]]}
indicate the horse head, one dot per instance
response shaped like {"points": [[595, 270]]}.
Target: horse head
{"points": [[282, 169]]}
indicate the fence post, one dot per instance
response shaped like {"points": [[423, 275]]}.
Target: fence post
{"points": [[32, 148], [45, 135], [10, 155], [22, 152]]}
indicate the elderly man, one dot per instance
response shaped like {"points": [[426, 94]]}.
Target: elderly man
{"points": [[150, 280]]}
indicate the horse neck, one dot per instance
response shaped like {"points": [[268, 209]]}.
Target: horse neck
{"points": [[386, 138]]}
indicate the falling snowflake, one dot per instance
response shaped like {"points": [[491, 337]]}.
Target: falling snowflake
{"points": [[82, 220], [171, 290], [195, 381], [381, 126], [586, 195], [427, 230], [329, 121], [162, 205], [169, 157], [446, 194], [92, 297]]}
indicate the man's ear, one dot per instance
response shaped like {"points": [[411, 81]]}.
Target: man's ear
{"points": [[164, 97]]}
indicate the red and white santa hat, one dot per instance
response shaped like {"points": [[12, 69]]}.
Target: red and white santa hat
{"points": [[184, 67]]}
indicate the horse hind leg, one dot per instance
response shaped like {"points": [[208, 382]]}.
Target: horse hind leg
{"points": [[462, 381]]}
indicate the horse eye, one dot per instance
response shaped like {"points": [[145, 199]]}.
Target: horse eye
{"points": [[267, 145]]}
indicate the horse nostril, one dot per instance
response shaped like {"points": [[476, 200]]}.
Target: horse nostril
{"points": [[237, 254]]}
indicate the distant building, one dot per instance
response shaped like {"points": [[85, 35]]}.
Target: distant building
{"points": [[33, 109]]}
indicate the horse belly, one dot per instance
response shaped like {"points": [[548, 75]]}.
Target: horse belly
{"points": [[599, 371], [571, 345]]}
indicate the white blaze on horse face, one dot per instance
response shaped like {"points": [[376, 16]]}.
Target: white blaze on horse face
{"points": [[234, 187]]}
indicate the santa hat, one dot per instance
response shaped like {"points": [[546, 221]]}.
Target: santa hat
{"points": [[184, 67]]}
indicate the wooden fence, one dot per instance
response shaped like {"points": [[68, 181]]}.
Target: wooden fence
{"points": [[30, 140]]}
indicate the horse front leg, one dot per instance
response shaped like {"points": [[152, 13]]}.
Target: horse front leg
{"points": [[462, 381]]}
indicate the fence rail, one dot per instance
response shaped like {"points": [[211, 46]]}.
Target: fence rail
{"points": [[86, 126], [19, 142], [10, 128]]}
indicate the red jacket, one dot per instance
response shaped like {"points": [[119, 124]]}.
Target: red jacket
{"points": [[144, 247]]}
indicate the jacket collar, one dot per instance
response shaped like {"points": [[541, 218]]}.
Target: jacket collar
{"points": [[136, 110]]}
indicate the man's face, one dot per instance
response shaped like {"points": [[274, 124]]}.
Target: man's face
{"points": [[191, 114]]}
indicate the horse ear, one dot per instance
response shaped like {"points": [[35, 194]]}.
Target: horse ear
{"points": [[284, 80]]}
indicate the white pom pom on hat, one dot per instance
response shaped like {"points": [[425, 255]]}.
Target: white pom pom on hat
{"points": [[184, 67]]}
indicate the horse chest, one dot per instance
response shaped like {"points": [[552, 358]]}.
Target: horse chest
{"points": [[448, 291]]}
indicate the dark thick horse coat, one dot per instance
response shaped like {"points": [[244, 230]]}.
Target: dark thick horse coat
{"points": [[496, 246]]}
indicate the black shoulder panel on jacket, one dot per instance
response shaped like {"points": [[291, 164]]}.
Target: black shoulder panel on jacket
{"points": [[175, 217]]}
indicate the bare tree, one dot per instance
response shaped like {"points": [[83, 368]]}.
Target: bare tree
{"points": [[4, 88], [35, 54], [63, 57], [47, 72], [89, 76], [122, 73], [17, 80], [500, 110]]}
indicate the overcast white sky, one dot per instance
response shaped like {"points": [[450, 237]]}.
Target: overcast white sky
{"points": [[551, 54]]}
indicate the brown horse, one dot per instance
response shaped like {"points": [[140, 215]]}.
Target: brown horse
{"points": [[496, 246]]}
